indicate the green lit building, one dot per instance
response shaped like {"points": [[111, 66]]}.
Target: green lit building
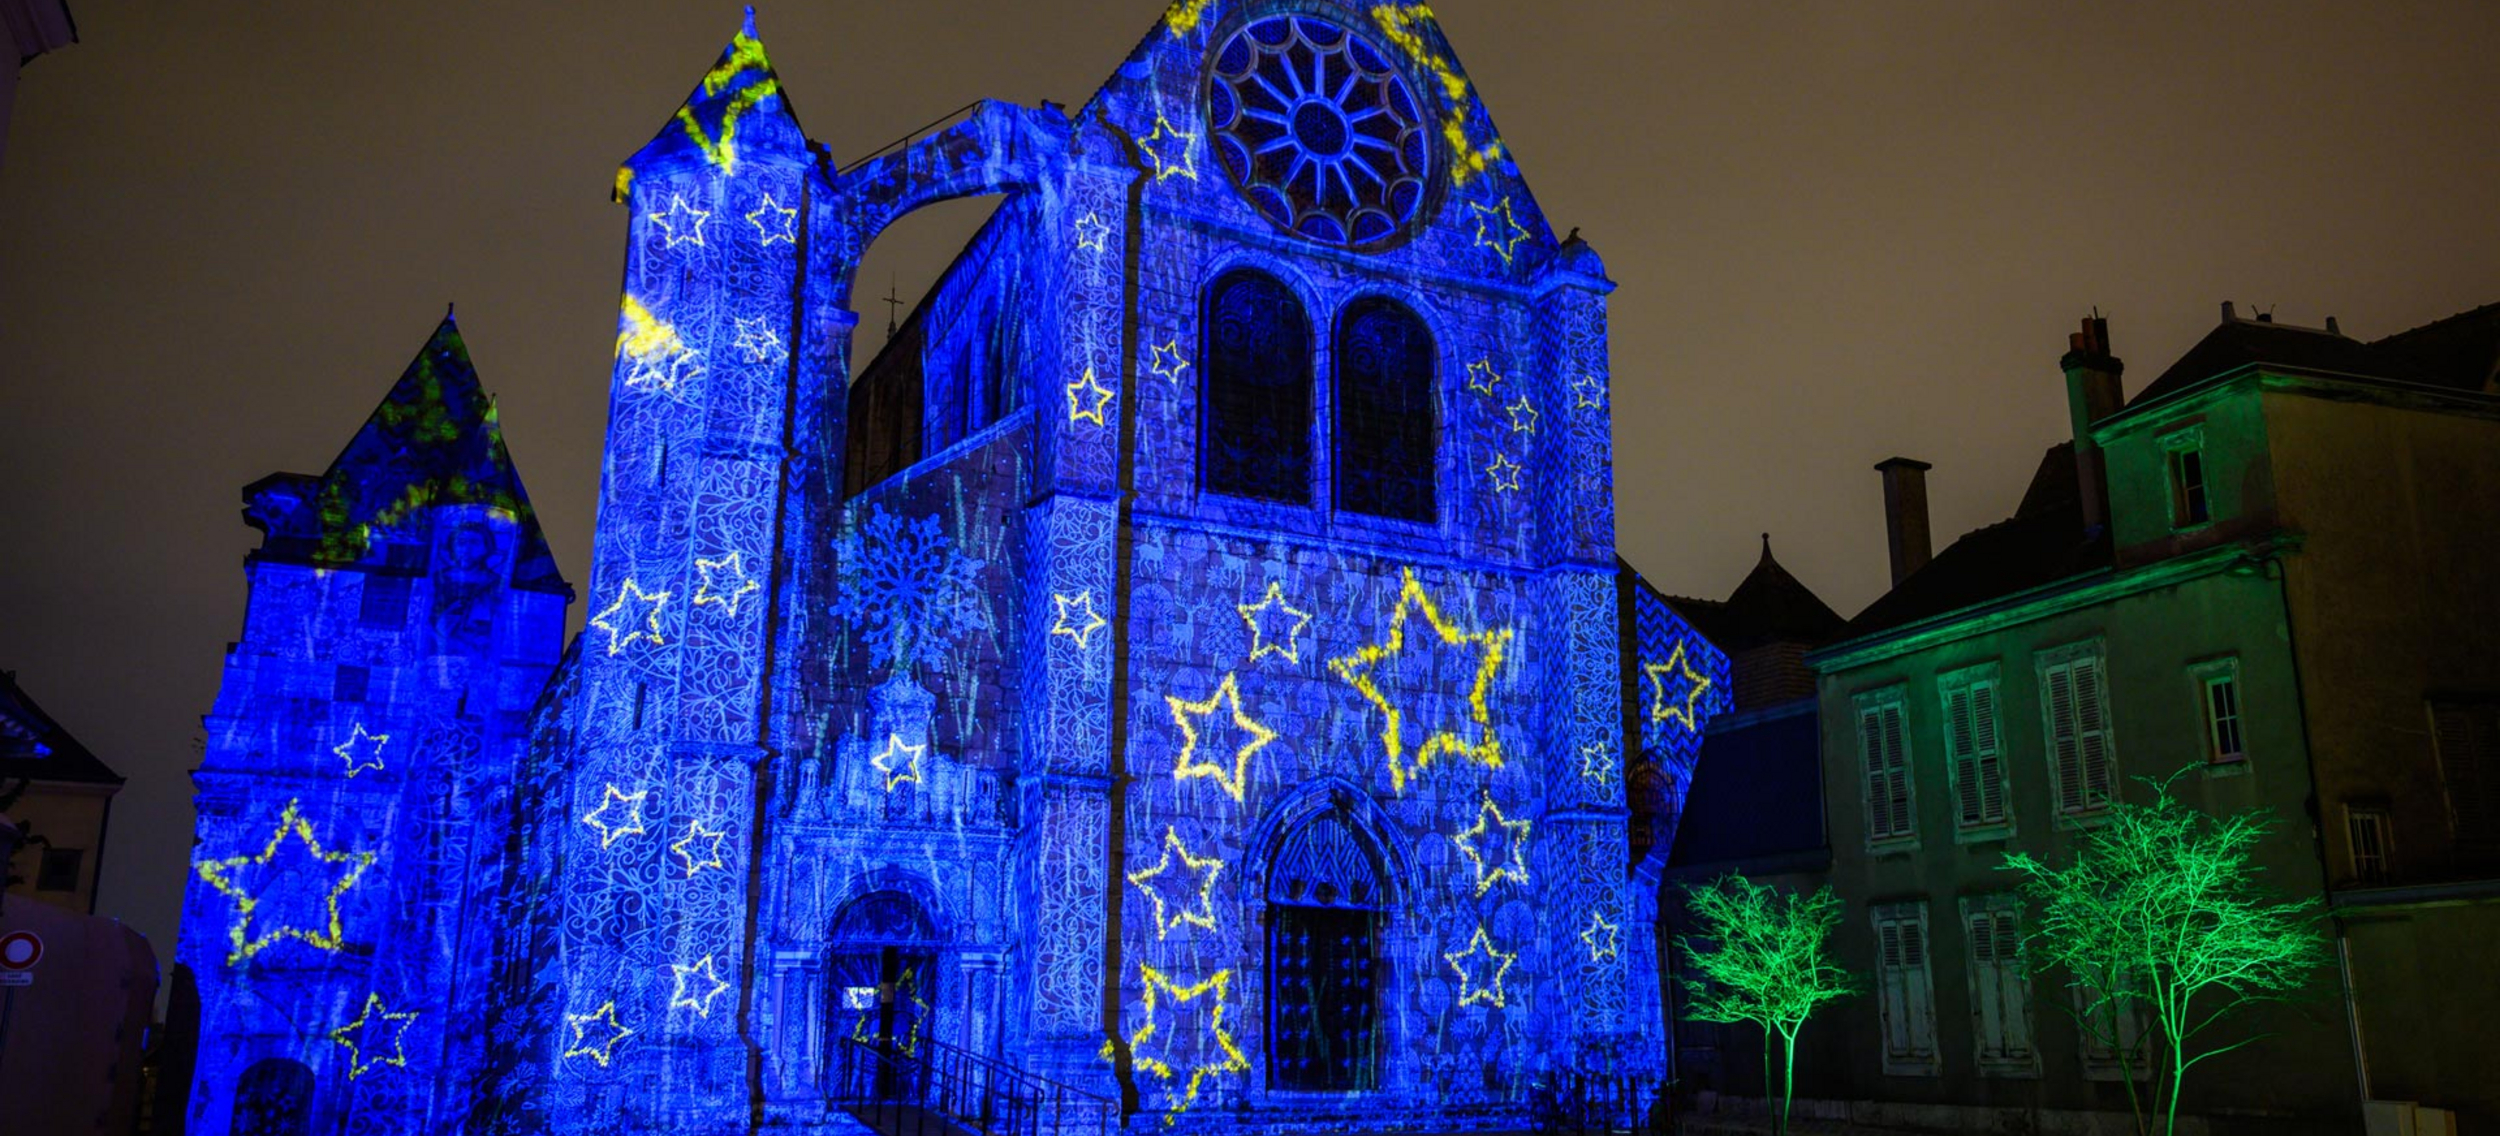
{"points": [[2273, 568]]}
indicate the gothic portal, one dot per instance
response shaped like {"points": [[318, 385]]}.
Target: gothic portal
{"points": [[1189, 664]]}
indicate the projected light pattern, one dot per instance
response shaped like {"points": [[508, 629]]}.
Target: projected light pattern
{"points": [[957, 704]]}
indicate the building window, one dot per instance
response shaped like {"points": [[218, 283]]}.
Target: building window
{"points": [[2184, 453], [1884, 756], [2000, 988], [1385, 412], [385, 602], [59, 871], [1255, 419], [1906, 996], [1974, 749], [2112, 1033], [2218, 689], [1325, 908], [2080, 759], [2468, 739], [2368, 830]]}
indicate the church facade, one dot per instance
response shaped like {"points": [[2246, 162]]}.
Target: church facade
{"points": [[1189, 665]]}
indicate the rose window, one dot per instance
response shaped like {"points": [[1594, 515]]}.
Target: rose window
{"points": [[1319, 131]]}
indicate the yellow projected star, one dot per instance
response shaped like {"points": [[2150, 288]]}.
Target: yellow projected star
{"points": [[1686, 709], [1091, 232], [361, 751], [1509, 860], [1193, 872], [898, 762], [1092, 392], [1152, 1044], [682, 224], [1480, 969], [1235, 780], [1597, 762], [610, 829], [1081, 630], [364, 1049], [601, 1050], [241, 934], [725, 582], [683, 849], [1166, 362], [1268, 618], [1588, 393], [634, 615], [1175, 153], [773, 222], [696, 996], [1361, 669], [1481, 377], [1504, 473], [1497, 230], [1522, 416], [1600, 936]]}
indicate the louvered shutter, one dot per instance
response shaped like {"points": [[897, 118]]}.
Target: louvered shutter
{"points": [[1922, 999], [1963, 753], [2065, 758], [2092, 733], [1887, 772], [1987, 986], [1896, 998], [2015, 996], [1897, 767], [1987, 760]]}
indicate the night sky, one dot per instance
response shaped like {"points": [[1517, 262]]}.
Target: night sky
{"points": [[1842, 231]]}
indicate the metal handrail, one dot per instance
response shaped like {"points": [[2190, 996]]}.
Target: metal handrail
{"points": [[943, 1090]]}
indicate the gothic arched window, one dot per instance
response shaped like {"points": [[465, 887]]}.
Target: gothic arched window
{"points": [[1255, 422], [1385, 412], [1325, 906]]}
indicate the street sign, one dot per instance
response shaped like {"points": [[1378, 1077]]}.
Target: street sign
{"points": [[17, 978], [19, 951]]}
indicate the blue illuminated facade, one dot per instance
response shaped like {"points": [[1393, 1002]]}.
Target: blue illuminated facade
{"points": [[1189, 663]]}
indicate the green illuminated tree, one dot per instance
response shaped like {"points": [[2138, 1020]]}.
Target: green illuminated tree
{"points": [[1763, 955], [2162, 914]]}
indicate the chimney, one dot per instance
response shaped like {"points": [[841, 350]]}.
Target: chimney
{"points": [[2092, 394], [1905, 515]]}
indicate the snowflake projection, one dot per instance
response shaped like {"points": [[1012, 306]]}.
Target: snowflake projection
{"points": [[905, 586]]}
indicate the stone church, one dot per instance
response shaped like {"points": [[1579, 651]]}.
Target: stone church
{"points": [[1184, 682]]}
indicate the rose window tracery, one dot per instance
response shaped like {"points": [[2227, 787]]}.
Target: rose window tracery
{"points": [[1319, 131]]}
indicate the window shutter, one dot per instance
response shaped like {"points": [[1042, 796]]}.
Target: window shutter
{"points": [[1887, 772], [2064, 749], [1989, 764], [1896, 992], [2092, 733], [1897, 771], [1922, 998], [1987, 986], [2016, 998], [1960, 740]]}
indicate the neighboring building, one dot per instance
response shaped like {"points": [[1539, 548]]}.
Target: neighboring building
{"points": [[2270, 570], [1754, 804], [64, 803], [35, 27], [1189, 663], [354, 799]]}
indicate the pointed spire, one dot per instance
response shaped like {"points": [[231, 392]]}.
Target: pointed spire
{"points": [[735, 115], [433, 440]]}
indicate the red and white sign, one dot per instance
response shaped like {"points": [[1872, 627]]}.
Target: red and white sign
{"points": [[20, 950]]}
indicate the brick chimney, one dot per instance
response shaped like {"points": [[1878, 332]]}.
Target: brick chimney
{"points": [[1905, 515], [2092, 394]]}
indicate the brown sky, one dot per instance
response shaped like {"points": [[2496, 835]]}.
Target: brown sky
{"points": [[1842, 231]]}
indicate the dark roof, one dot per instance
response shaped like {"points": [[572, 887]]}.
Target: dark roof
{"points": [[1769, 605], [34, 746], [2238, 343], [2043, 542], [434, 440], [2459, 352]]}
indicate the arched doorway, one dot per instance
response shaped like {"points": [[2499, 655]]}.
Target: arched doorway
{"points": [[273, 1098], [884, 972], [1326, 908]]}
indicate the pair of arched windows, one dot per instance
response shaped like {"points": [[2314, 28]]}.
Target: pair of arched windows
{"points": [[1256, 367]]}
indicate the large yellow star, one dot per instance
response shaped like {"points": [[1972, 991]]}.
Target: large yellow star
{"points": [[1096, 393], [1257, 614], [219, 874], [1480, 969], [1360, 669], [600, 1051], [697, 997], [1194, 870], [1235, 781], [359, 1061], [1661, 709], [612, 831], [637, 624], [1227, 1056], [1512, 862]]}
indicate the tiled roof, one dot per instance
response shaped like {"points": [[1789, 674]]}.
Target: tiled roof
{"points": [[1769, 605], [35, 747], [2042, 543], [2238, 343]]}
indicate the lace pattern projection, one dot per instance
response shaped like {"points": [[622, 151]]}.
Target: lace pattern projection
{"points": [[1319, 131]]}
